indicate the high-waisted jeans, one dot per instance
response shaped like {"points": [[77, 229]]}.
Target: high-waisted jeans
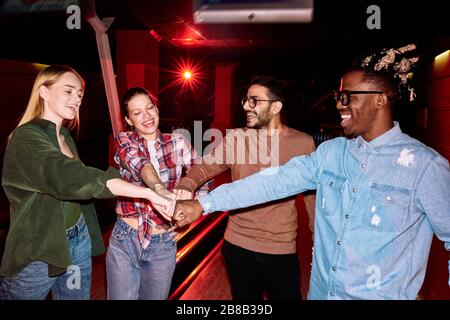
{"points": [[135, 273]]}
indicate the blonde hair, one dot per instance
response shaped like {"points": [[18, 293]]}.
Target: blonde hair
{"points": [[35, 107]]}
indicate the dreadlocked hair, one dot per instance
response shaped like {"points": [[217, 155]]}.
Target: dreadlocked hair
{"points": [[390, 70]]}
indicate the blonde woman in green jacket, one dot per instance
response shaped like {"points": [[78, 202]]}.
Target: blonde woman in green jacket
{"points": [[53, 229]]}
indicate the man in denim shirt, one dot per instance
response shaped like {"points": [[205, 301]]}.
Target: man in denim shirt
{"points": [[380, 193]]}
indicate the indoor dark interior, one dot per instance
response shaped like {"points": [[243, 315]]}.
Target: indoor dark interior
{"points": [[152, 43]]}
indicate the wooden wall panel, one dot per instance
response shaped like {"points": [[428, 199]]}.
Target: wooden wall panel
{"points": [[437, 136]]}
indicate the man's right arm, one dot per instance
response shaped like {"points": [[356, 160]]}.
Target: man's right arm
{"points": [[213, 164], [199, 174], [297, 175]]}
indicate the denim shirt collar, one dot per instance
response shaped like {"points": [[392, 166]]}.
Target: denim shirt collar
{"points": [[380, 141]]}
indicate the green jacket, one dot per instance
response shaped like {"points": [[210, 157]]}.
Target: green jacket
{"points": [[37, 179]]}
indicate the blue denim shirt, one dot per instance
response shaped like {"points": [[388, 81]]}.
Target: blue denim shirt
{"points": [[378, 204]]}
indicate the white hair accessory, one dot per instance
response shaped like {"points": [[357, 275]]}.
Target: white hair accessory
{"points": [[393, 60]]}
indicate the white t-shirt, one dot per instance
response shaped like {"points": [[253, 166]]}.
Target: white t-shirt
{"points": [[153, 159]]}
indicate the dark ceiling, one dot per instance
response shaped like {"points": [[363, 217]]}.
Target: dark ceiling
{"points": [[337, 32], [311, 56], [333, 21]]}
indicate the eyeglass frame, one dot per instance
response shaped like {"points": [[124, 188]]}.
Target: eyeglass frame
{"points": [[245, 100], [338, 95]]}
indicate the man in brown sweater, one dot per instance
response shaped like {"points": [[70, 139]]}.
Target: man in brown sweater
{"points": [[260, 242]]}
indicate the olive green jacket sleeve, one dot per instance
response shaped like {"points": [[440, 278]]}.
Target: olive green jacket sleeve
{"points": [[37, 178], [33, 163]]}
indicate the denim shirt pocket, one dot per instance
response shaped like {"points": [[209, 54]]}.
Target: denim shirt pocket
{"points": [[329, 195], [388, 208]]}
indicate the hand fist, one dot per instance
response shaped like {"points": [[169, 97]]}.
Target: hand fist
{"points": [[164, 205], [183, 194], [166, 210], [187, 211]]}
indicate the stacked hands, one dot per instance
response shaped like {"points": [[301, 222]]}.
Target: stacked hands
{"points": [[176, 206]]}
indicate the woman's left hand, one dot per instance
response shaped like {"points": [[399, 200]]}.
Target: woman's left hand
{"points": [[163, 205]]}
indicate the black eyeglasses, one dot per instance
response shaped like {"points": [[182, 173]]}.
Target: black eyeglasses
{"points": [[344, 95], [253, 101]]}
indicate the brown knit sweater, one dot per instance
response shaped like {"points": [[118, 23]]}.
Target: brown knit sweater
{"points": [[267, 228]]}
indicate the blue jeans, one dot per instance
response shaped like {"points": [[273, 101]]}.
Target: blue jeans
{"points": [[33, 282], [136, 273]]}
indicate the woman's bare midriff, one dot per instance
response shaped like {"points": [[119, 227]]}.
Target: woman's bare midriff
{"points": [[132, 222]]}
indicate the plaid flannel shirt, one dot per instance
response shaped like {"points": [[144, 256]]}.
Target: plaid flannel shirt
{"points": [[175, 156]]}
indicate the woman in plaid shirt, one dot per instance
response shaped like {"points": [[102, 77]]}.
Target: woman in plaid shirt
{"points": [[141, 256]]}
